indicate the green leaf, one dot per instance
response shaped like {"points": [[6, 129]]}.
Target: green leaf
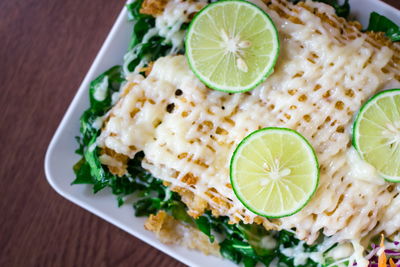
{"points": [[379, 23], [134, 10], [140, 28], [89, 169], [244, 247], [111, 81], [147, 206], [144, 50], [81, 146], [204, 225], [178, 210], [154, 48], [249, 262], [120, 201], [82, 172], [87, 129], [254, 235], [96, 169], [112, 78], [228, 252]]}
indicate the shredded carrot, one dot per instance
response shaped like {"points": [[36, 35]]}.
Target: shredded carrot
{"points": [[382, 258], [391, 262]]}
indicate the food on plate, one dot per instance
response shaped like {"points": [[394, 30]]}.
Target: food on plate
{"points": [[156, 130]]}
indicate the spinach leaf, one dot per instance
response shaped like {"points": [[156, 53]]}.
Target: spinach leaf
{"points": [[203, 224], [249, 262], [89, 169], [179, 211], [91, 156], [147, 206], [146, 52], [379, 23], [142, 23], [254, 235], [82, 172], [109, 82], [134, 10], [229, 252]]}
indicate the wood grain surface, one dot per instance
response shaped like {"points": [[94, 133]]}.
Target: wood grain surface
{"points": [[46, 48]]}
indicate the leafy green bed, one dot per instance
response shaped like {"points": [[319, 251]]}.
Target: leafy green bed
{"points": [[240, 243]]}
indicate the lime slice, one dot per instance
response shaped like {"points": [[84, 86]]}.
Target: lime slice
{"points": [[376, 133], [274, 172], [232, 46]]}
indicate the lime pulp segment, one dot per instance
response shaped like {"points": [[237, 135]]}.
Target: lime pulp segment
{"points": [[274, 172], [376, 133], [232, 45]]}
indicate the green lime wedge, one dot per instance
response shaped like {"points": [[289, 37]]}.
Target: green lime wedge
{"points": [[274, 172], [376, 133], [232, 45]]}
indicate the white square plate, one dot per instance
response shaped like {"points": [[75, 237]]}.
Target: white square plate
{"points": [[60, 156]]}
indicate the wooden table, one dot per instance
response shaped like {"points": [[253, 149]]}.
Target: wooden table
{"points": [[46, 48]]}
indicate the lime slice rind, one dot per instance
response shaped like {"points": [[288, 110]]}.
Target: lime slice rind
{"points": [[261, 75], [367, 143], [290, 188]]}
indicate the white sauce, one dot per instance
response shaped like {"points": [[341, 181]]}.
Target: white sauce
{"points": [[98, 122], [341, 251], [268, 242], [300, 256], [358, 255], [100, 90], [114, 97], [92, 147]]}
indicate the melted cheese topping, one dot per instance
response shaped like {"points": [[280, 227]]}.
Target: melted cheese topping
{"points": [[326, 71]]}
